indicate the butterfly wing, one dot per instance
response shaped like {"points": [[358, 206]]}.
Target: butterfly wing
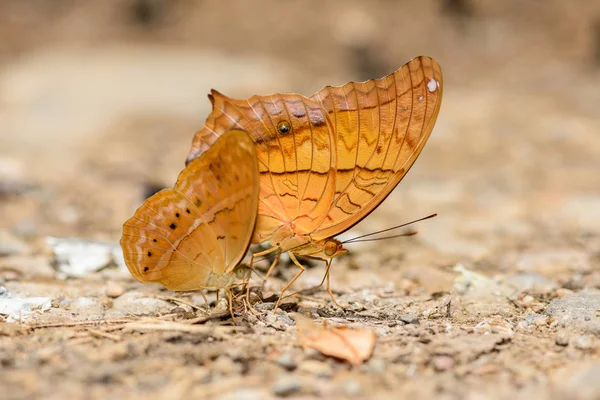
{"points": [[189, 236], [380, 126], [294, 143]]}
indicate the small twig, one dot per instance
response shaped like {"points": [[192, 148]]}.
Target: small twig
{"points": [[205, 318], [101, 334], [178, 300], [78, 323], [175, 326]]}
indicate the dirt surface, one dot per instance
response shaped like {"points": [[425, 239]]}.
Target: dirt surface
{"points": [[497, 297]]}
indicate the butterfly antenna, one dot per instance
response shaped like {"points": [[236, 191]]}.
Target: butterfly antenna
{"points": [[257, 273], [356, 239], [384, 238]]}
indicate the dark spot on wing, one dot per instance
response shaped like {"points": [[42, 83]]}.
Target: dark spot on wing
{"points": [[173, 226], [284, 127]]}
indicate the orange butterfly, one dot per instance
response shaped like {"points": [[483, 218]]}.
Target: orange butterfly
{"points": [[327, 161], [193, 236]]}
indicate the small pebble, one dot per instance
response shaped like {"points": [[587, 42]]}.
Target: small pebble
{"points": [[316, 368], [483, 328], [376, 366], [286, 386], [538, 307], [527, 300], [583, 342], [351, 387], [264, 306], [113, 289], [562, 292], [286, 361], [562, 338], [279, 322], [409, 318], [442, 363]]}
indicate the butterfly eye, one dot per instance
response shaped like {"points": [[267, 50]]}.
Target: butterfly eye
{"points": [[330, 248], [283, 127]]}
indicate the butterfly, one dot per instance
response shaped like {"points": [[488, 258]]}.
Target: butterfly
{"points": [[327, 161], [193, 236]]}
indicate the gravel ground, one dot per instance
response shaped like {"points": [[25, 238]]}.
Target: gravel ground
{"points": [[497, 297]]}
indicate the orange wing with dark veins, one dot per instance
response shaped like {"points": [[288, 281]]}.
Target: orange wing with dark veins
{"points": [[344, 151], [381, 127], [294, 141]]}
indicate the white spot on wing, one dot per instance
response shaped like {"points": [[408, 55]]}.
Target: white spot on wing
{"points": [[420, 98], [432, 85]]}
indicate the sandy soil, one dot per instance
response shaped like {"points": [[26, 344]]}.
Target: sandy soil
{"points": [[498, 297]]}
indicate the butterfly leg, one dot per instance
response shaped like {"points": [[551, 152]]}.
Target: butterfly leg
{"points": [[273, 264], [328, 275], [301, 267], [264, 253], [250, 307], [230, 304], [314, 287], [205, 301]]}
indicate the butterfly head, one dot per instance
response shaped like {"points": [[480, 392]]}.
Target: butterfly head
{"points": [[242, 272], [323, 249], [333, 248]]}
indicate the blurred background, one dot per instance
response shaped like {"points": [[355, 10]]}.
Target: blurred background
{"points": [[99, 102]]}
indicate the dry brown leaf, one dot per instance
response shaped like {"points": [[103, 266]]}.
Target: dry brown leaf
{"points": [[352, 345]]}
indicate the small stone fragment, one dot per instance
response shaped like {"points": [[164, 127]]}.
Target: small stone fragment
{"points": [[578, 311], [483, 328], [542, 321], [562, 292], [76, 258], [583, 342], [409, 318], [376, 366], [442, 363], [137, 303], [562, 338], [316, 368], [351, 387], [286, 386], [113, 289], [286, 361]]}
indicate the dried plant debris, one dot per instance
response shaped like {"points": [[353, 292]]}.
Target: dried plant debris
{"points": [[353, 345]]}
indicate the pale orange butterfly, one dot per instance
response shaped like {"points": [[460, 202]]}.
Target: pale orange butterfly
{"points": [[327, 161], [194, 235]]}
